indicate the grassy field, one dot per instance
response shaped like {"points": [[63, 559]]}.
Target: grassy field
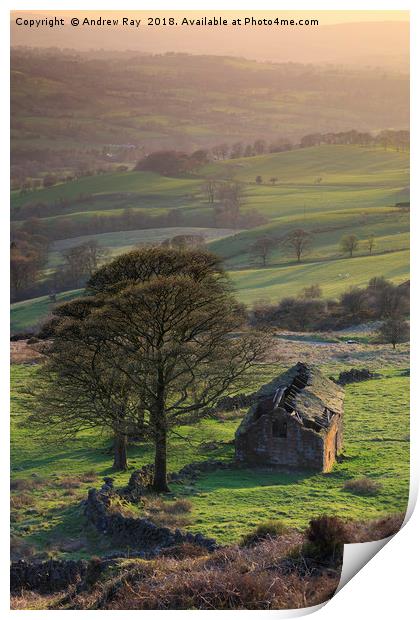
{"points": [[147, 185], [226, 504], [358, 192], [334, 276], [29, 313]]}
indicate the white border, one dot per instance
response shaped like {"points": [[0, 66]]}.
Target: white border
{"points": [[386, 586]]}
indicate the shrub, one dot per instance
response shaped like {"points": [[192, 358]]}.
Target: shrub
{"points": [[363, 486], [268, 529], [326, 536]]}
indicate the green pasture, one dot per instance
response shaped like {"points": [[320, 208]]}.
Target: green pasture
{"points": [[28, 313], [334, 276], [226, 504]]}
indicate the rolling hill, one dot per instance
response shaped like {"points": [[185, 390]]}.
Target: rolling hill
{"points": [[69, 106], [357, 194]]}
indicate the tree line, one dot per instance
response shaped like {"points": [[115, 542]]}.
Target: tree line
{"points": [[299, 241], [380, 300]]}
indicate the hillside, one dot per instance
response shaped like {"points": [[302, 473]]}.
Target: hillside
{"points": [[70, 108], [357, 195], [227, 504]]}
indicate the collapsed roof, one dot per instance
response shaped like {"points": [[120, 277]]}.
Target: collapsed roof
{"points": [[304, 393]]}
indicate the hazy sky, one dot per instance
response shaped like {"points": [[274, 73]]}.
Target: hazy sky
{"points": [[326, 17], [375, 38]]}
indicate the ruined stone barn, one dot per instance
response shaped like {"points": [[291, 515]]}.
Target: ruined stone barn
{"points": [[296, 422]]}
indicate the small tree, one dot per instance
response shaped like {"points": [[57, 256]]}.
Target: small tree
{"points": [[298, 241], [354, 303], [371, 243], [78, 386], [312, 292], [258, 179], [263, 247], [81, 261], [228, 210], [273, 180], [349, 244], [394, 330], [209, 187]]}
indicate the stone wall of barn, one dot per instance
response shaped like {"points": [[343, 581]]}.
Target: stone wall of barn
{"points": [[301, 447], [333, 443]]}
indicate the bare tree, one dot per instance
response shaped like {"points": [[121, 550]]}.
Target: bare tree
{"points": [[209, 188], [394, 330], [349, 244], [273, 180], [23, 270], [298, 241], [83, 260], [371, 243], [263, 247], [313, 291], [228, 211]]}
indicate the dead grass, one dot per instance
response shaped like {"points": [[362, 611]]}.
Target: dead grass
{"points": [[372, 355], [21, 500], [19, 548], [167, 513], [232, 578], [75, 482], [264, 576], [21, 352], [70, 482], [89, 476], [26, 484], [184, 550], [32, 600], [376, 529], [363, 486]]}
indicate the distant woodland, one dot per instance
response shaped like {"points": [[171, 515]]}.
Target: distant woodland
{"points": [[77, 109]]}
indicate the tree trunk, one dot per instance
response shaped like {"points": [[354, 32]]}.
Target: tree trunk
{"points": [[160, 484], [120, 452]]}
